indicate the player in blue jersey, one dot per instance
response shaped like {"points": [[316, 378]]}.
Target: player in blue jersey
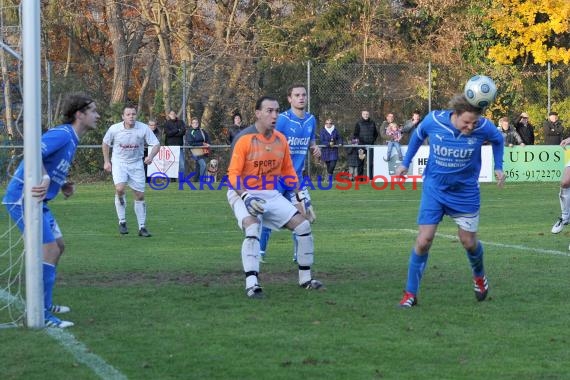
{"points": [[451, 185], [299, 127], [58, 148]]}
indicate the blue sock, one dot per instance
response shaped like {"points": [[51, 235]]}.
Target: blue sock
{"points": [[264, 238], [49, 271], [416, 269], [476, 260]]}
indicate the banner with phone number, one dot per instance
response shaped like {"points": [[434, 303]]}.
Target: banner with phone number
{"points": [[535, 163]]}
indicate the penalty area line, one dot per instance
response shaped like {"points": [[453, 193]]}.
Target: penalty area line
{"points": [[68, 341], [501, 245]]}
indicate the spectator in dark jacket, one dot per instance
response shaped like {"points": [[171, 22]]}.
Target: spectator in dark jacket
{"points": [[553, 130], [199, 143], [174, 131], [510, 135], [525, 129], [331, 139], [236, 128], [366, 132]]}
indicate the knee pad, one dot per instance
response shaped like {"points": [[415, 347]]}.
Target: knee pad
{"points": [[303, 228]]}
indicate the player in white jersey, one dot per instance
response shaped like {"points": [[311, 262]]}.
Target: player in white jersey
{"points": [[128, 140]]}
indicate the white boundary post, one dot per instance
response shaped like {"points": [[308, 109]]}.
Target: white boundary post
{"points": [[30, 12]]}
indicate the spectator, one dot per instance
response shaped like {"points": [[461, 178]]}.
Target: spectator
{"points": [[394, 133], [510, 135], [154, 128], [174, 131], [366, 132], [236, 128], [384, 127], [352, 160], [199, 141], [409, 127], [525, 129], [553, 130], [331, 139]]}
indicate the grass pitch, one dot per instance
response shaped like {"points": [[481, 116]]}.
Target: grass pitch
{"points": [[173, 306]]}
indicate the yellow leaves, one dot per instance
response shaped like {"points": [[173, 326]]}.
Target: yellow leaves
{"points": [[527, 28]]}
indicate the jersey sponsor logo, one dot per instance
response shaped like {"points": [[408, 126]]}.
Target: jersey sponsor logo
{"points": [[129, 146], [265, 163], [293, 141], [444, 151]]}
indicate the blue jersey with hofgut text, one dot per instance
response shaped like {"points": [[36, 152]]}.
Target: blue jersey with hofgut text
{"points": [[58, 149], [454, 158], [300, 134]]}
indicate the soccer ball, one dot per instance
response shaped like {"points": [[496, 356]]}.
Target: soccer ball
{"points": [[480, 91]]}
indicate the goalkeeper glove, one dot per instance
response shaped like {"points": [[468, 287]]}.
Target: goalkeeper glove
{"points": [[303, 199], [253, 204]]}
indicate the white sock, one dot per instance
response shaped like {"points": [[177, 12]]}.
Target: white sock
{"points": [[120, 203], [565, 203], [140, 211]]}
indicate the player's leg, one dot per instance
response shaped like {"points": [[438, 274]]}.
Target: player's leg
{"points": [[250, 246], [120, 179], [564, 195], [263, 241], [305, 250], [467, 233], [137, 183], [417, 263], [430, 214], [53, 247]]}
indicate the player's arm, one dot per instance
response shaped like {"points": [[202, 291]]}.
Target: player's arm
{"points": [[106, 162], [40, 191], [151, 140], [498, 146], [253, 204], [68, 189]]}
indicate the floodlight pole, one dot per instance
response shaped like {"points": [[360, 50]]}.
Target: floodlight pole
{"points": [[30, 11]]}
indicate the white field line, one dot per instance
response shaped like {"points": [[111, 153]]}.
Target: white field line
{"points": [[501, 245], [67, 340]]}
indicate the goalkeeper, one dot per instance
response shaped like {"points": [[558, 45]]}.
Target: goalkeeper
{"points": [[299, 128], [261, 156]]}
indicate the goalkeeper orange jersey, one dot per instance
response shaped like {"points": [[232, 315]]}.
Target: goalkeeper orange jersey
{"points": [[258, 162]]}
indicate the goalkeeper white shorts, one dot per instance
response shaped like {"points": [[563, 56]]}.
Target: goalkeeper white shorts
{"points": [[130, 173], [278, 209]]}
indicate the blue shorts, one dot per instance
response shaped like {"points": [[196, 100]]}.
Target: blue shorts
{"points": [[51, 230], [453, 201]]}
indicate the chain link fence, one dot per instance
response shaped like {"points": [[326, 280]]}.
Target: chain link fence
{"points": [[213, 91]]}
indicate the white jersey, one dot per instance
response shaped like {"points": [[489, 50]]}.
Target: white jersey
{"points": [[129, 143]]}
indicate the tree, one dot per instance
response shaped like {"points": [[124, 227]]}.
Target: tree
{"points": [[531, 31]]}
